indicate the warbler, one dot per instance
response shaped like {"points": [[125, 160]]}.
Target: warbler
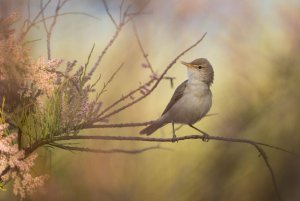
{"points": [[191, 100]]}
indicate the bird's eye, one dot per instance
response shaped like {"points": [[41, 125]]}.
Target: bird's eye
{"points": [[199, 67]]}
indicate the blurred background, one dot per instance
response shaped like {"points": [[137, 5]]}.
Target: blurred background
{"points": [[254, 48]]}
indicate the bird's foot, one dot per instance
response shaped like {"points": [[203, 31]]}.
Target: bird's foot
{"points": [[205, 137], [174, 138]]}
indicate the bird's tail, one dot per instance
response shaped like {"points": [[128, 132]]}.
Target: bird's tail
{"points": [[153, 127]]}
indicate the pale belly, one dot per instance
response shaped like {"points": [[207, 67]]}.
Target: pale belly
{"points": [[190, 108]]}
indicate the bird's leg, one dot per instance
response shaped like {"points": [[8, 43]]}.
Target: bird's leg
{"points": [[205, 135], [174, 136]]}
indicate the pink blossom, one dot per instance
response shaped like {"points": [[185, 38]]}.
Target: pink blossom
{"points": [[24, 183]]}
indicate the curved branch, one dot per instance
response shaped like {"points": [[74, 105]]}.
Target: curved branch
{"points": [[90, 150], [177, 139], [68, 13]]}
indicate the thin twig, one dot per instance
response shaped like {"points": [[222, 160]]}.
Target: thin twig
{"points": [[31, 41], [279, 148], [121, 10], [83, 75], [31, 24], [49, 33], [106, 84], [91, 150], [109, 44], [109, 14], [130, 94], [43, 18], [68, 13], [129, 16], [28, 10], [145, 55], [89, 57], [115, 36]]}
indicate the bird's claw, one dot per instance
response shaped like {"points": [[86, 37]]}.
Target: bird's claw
{"points": [[205, 138], [174, 139]]}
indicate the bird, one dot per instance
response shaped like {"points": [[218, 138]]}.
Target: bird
{"points": [[191, 100]]}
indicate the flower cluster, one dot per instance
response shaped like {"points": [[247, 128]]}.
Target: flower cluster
{"points": [[41, 102], [19, 166], [21, 77], [42, 76]]}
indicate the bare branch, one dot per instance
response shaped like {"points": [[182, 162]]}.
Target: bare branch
{"points": [[123, 98], [31, 24], [265, 158], [112, 40], [145, 55], [43, 17], [109, 14], [89, 57], [49, 29], [279, 148], [68, 13], [28, 10], [177, 139], [116, 34], [106, 84], [128, 16], [49, 32], [121, 10], [31, 41], [90, 150]]}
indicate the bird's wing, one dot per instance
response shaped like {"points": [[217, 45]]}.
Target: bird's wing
{"points": [[176, 96]]}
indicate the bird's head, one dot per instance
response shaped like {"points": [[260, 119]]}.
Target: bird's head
{"points": [[200, 69]]}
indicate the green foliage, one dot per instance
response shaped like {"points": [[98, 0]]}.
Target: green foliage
{"points": [[2, 120], [40, 121]]}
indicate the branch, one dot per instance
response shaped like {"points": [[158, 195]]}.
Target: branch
{"points": [[109, 44], [68, 13], [128, 16], [31, 24], [90, 150], [109, 14], [123, 98], [145, 55], [50, 29], [170, 140], [106, 84]]}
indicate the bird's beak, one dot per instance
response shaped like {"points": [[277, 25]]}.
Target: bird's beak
{"points": [[187, 64]]}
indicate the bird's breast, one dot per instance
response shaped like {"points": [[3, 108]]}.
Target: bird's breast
{"points": [[193, 105]]}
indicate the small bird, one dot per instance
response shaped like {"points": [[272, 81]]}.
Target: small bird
{"points": [[191, 100]]}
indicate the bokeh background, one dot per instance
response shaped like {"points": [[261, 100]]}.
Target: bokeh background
{"points": [[254, 48]]}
